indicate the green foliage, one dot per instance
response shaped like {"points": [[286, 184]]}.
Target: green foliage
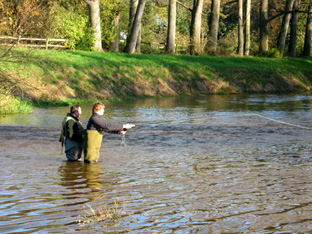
{"points": [[227, 44], [150, 29], [183, 20], [108, 11], [71, 25], [86, 42], [274, 53]]}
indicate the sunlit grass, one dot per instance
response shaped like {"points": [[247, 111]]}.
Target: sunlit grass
{"points": [[76, 77], [11, 105]]}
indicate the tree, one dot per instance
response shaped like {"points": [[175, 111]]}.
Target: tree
{"points": [[20, 18], [134, 32], [133, 10], [308, 34], [195, 30], [95, 19], [264, 29], [285, 24], [172, 16], [240, 28], [213, 26], [247, 29], [115, 44], [293, 29]]}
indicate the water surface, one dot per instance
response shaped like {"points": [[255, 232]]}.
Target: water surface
{"points": [[191, 165]]}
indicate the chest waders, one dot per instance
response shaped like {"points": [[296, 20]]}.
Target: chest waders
{"points": [[92, 145]]}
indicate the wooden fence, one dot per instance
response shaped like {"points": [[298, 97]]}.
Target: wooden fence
{"points": [[33, 42]]}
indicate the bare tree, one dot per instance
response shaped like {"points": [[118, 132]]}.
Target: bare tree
{"points": [[195, 30], [172, 15], [213, 26], [308, 34], [285, 24], [135, 29], [95, 19], [240, 28], [293, 29]]}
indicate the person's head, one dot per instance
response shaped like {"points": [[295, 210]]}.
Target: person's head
{"points": [[98, 108], [75, 110]]}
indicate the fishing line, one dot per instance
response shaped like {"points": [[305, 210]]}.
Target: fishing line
{"points": [[281, 122], [123, 141]]}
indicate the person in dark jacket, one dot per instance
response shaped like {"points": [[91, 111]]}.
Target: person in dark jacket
{"points": [[74, 133], [96, 126]]}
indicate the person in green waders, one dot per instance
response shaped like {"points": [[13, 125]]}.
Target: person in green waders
{"points": [[74, 133], [95, 127]]}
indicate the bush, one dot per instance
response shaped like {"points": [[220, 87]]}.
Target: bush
{"points": [[274, 53], [73, 26], [227, 45]]}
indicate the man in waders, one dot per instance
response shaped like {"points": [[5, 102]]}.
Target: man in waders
{"points": [[74, 133], [95, 128]]}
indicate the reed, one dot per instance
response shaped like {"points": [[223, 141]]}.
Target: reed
{"points": [[103, 213]]}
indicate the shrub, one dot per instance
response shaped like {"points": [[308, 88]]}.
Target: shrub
{"points": [[274, 53], [71, 25]]}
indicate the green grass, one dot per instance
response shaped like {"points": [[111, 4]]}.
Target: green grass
{"points": [[10, 105], [59, 77]]}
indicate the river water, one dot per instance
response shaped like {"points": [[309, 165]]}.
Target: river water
{"points": [[212, 164]]}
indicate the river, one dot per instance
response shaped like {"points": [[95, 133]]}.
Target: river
{"points": [[205, 164]]}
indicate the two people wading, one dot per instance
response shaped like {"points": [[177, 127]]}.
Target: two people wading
{"points": [[89, 139]]}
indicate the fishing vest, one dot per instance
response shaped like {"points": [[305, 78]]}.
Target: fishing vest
{"points": [[64, 130]]}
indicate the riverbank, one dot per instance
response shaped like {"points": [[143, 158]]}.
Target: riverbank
{"points": [[60, 76]]}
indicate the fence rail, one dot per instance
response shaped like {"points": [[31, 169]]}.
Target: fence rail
{"points": [[33, 42]]}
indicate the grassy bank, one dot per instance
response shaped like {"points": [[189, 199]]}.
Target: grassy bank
{"points": [[62, 77]]}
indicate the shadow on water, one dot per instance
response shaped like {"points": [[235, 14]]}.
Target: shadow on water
{"points": [[191, 165]]}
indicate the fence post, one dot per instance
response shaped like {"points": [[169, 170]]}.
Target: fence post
{"points": [[18, 39], [47, 43]]}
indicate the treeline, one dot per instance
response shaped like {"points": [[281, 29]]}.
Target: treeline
{"points": [[243, 27]]}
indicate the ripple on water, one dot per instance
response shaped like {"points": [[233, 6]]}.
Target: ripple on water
{"points": [[195, 171]]}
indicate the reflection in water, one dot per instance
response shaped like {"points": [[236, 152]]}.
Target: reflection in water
{"points": [[81, 178], [192, 165]]}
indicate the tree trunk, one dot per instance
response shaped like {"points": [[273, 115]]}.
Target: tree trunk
{"points": [[293, 29], [240, 28], [115, 45], [172, 16], [138, 43], [247, 30], [214, 26], [133, 36], [94, 7], [195, 45], [264, 30], [308, 35], [133, 9], [285, 24]]}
